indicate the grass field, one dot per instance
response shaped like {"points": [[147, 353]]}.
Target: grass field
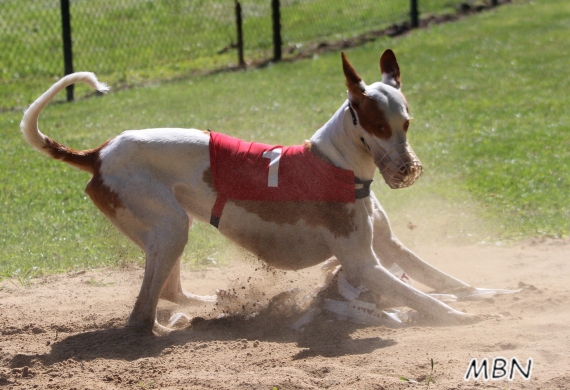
{"points": [[488, 94], [133, 41]]}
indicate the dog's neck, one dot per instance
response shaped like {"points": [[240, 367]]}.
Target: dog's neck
{"points": [[338, 141]]}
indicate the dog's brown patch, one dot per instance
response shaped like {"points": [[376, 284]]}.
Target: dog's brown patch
{"points": [[372, 118], [88, 160], [389, 65], [208, 179], [353, 80], [85, 160], [102, 196], [336, 217]]}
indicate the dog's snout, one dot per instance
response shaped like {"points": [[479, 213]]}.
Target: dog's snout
{"points": [[405, 170], [399, 166]]}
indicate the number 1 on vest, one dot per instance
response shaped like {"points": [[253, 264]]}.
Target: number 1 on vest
{"points": [[273, 155]]}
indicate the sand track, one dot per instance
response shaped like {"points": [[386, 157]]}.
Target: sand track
{"points": [[66, 331]]}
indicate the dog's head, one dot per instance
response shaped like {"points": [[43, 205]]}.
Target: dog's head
{"points": [[382, 118]]}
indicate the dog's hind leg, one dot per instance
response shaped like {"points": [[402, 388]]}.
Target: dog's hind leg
{"points": [[163, 246], [390, 250], [173, 291], [152, 218]]}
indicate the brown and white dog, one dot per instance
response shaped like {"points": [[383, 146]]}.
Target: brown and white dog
{"points": [[153, 183]]}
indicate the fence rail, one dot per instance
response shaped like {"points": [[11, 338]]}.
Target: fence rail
{"points": [[133, 40]]}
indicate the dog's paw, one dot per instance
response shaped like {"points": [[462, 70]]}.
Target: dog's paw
{"points": [[197, 299], [139, 324], [187, 299], [477, 294], [161, 330], [455, 317]]}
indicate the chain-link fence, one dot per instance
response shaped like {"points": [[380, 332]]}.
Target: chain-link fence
{"points": [[134, 40]]}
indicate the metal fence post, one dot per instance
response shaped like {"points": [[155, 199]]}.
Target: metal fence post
{"points": [[239, 22], [414, 13], [66, 35], [277, 41]]}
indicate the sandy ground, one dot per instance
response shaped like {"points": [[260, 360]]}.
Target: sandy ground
{"points": [[66, 331]]}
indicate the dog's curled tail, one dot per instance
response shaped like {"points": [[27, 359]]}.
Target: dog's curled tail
{"points": [[83, 159]]}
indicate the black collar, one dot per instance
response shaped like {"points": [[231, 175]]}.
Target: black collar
{"points": [[364, 192], [352, 113]]}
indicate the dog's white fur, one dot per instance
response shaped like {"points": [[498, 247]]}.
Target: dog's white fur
{"points": [[153, 183]]}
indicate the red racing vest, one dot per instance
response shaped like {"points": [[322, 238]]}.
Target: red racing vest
{"points": [[254, 171]]}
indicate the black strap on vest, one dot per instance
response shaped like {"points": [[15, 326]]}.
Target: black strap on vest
{"points": [[214, 221], [364, 192]]}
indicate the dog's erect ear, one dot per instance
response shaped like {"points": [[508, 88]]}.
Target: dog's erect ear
{"points": [[390, 69], [354, 83]]}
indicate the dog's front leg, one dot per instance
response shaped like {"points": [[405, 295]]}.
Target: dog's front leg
{"points": [[363, 267], [381, 282], [390, 250]]}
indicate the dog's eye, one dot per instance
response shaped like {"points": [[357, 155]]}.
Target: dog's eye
{"points": [[406, 125], [381, 129]]}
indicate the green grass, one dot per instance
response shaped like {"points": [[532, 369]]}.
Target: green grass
{"points": [[488, 95], [133, 41], [497, 100]]}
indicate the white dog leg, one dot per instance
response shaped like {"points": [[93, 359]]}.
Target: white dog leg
{"points": [[388, 287], [161, 229], [363, 267], [172, 290], [381, 281], [163, 248]]}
